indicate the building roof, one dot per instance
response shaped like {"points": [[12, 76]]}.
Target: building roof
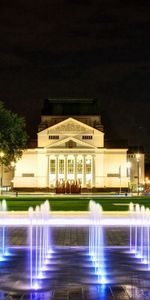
{"points": [[116, 143], [136, 149], [70, 107]]}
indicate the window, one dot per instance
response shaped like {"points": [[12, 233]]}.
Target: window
{"points": [[87, 137], [71, 144], [70, 166], [131, 155], [52, 166], [88, 166], [53, 137], [61, 166], [79, 166]]}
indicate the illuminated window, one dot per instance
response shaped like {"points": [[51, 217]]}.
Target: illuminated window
{"points": [[61, 166], [79, 166], [88, 166], [70, 166], [71, 144], [52, 166]]}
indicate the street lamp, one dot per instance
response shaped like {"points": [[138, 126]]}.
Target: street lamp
{"points": [[12, 173], [147, 182], [120, 178], [129, 175], [1, 179], [138, 172]]}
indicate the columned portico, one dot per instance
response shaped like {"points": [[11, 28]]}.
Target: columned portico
{"points": [[72, 168]]}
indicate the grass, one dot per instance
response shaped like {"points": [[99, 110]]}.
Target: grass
{"points": [[63, 203]]}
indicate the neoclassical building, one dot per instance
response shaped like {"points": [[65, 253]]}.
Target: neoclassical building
{"points": [[70, 148]]}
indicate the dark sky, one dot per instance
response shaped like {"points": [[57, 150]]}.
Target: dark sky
{"points": [[79, 48]]}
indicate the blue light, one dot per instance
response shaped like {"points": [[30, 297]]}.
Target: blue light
{"points": [[36, 286], [100, 272], [44, 268], [46, 262], [144, 261], [6, 253], [103, 280], [138, 255], [96, 265], [102, 290], [2, 258], [133, 251], [40, 275], [50, 251]]}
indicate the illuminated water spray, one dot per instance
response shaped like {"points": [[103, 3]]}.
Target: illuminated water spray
{"points": [[140, 232], [3, 209], [40, 242], [96, 241], [31, 245]]}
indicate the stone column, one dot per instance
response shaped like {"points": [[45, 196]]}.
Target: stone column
{"points": [[48, 169], [75, 167], [93, 170], [84, 171], [56, 167], [65, 168]]}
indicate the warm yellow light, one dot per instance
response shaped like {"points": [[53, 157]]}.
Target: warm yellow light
{"points": [[128, 164], [1, 154], [12, 163], [137, 156]]}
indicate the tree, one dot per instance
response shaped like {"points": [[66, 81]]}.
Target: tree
{"points": [[13, 137]]}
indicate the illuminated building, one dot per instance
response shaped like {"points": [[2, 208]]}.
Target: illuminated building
{"points": [[70, 148]]}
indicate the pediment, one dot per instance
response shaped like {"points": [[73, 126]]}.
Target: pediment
{"points": [[70, 143], [69, 126]]}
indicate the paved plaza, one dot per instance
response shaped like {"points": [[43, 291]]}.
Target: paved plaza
{"points": [[71, 236], [73, 277]]}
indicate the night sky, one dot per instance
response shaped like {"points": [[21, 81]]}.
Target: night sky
{"points": [[79, 48]]}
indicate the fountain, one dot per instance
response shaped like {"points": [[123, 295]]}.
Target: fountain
{"points": [[40, 247], [140, 232], [45, 271], [3, 209], [31, 245], [96, 242]]}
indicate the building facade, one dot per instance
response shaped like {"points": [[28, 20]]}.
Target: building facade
{"points": [[70, 149]]}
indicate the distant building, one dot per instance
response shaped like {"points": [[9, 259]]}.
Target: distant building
{"points": [[70, 150]]}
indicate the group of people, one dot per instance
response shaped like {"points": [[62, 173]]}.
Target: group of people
{"points": [[67, 187]]}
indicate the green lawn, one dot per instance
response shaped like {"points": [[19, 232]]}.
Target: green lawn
{"points": [[74, 203]]}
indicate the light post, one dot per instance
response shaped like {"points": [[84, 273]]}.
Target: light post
{"points": [[120, 178], [12, 174], [129, 175], [147, 182], [1, 179], [138, 172]]}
